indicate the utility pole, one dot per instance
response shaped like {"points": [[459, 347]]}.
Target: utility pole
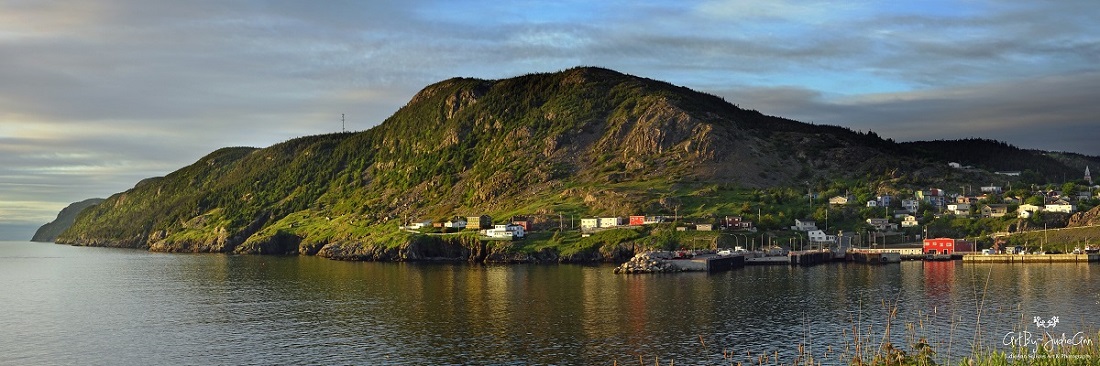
{"points": [[342, 129]]}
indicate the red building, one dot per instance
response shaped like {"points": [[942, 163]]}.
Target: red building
{"points": [[637, 220], [946, 246]]}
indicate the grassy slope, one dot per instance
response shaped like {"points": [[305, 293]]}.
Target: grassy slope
{"points": [[580, 142]]}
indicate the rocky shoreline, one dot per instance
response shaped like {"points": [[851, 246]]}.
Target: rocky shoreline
{"points": [[649, 262], [416, 249]]}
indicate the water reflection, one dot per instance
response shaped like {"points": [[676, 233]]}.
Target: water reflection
{"points": [[99, 306]]}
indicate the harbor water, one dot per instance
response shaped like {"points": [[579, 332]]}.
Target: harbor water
{"points": [[73, 305]]}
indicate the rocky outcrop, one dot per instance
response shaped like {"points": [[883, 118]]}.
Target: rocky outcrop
{"points": [[1086, 218], [49, 232], [134, 242], [464, 249], [647, 262]]}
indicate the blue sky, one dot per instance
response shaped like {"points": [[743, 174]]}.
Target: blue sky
{"points": [[97, 95]]}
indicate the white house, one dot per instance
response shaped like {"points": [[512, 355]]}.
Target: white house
{"points": [[420, 225], [910, 221], [961, 209], [457, 224], [872, 203], [505, 231], [991, 189], [1061, 206], [590, 223], [804, 225], [841, 200], [910, 205], [610, 221], [818, 236], [1025, 210]]}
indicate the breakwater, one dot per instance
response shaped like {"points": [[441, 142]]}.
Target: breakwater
{"points": [[1030, 258]]}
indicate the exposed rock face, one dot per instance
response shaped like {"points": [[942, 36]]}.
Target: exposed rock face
{"points": [[1087, 218], [49, 232]]}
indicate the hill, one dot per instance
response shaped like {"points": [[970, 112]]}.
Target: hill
{"points": [[49, 232], [584, 141], [1036, 166]]}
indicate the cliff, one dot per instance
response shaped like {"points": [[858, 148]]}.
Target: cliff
{"points": [[49, 232]]}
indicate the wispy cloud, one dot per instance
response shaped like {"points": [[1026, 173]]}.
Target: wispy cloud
{"points": [[104, 93]]}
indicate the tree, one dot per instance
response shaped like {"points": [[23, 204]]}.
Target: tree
{"points": [[1070, 188]]}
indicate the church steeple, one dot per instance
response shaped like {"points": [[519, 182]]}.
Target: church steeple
{"points": [[1088, 177]]}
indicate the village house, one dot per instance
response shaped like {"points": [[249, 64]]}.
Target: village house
{"points": [[970, 200], [804, 225], [636, 220], [959, 209], [994, 210], [590, 223], [841, 200], [934, 196], [884, 200], [910, 221], [523, 222], [504, 232], [910, 205], [420, 225], [946, 246], [881, 224], [819, 237], [1025, 211], [704, 227], [611, 221], [479, 222], [1060, 206], [455, 224], [991, 189]]}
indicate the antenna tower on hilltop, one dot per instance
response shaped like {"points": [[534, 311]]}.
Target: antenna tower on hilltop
{"points": [[342, 129]]}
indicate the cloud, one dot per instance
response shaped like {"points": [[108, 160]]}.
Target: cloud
{"points": [[1048, 113], [99, 94]]}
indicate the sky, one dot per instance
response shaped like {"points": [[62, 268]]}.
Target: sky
{"points": [[96, 95]]}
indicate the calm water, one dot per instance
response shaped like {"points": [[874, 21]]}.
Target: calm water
{"points": [[68, 305]]}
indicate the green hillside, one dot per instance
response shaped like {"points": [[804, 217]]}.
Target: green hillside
{"points": [[584, 141]]}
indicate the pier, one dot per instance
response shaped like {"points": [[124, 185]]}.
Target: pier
{"points": [[1031, 258], [709, 263], [681, 261], [873, 257], [810, 257]]}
